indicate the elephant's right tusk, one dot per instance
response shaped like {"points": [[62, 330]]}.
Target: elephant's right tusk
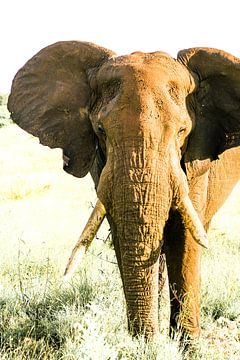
{"points": [[192, 222], [86, 238]]}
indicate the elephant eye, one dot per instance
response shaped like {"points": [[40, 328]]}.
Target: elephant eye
{"points": [[181, 131], [101, 129]]}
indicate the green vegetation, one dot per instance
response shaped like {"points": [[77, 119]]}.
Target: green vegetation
{"points": [[4, 114], [43, 211]]}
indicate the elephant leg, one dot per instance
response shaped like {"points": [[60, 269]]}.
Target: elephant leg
{"points": [[183, 256]]}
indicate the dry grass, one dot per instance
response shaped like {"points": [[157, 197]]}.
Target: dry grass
{"points": [[42, 212]]}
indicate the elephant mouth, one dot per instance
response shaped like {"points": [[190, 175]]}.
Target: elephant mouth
{"points": [[185, 207]]}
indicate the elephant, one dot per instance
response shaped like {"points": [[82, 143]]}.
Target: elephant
{"points": [[160, 137]]}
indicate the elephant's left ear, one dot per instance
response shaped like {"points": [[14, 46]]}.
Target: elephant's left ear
{"points": [[217, 102], [50, 99]]}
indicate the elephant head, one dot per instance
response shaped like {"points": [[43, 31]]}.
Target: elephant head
{"points": [[142, 124]]}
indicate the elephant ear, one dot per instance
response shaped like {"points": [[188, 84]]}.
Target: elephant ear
{"points": [[50, 98], [216, 103]]}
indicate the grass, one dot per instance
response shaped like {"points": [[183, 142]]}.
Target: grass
{"points": [[4, 114], [43, 211]]}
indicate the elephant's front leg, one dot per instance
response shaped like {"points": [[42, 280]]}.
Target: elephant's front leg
{"points": [[183, 261], [183, 256]]}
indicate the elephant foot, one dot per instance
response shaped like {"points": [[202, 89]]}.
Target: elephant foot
{"points": [[189, 348], [186, 333], [184, 318], [188, 341]]}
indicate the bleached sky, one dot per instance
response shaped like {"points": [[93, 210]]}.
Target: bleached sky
{"points": [[123, 26]]}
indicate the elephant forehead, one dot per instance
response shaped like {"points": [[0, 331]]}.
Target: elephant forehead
{"points": [[152, 69]]}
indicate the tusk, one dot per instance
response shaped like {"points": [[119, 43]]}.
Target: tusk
{"points": [[192, 222], [85, 240]]}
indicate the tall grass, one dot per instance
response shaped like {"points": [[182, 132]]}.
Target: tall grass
{"points": [[42, 213]]}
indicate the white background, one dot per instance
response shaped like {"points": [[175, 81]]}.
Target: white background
{"points": [[122, 26]]}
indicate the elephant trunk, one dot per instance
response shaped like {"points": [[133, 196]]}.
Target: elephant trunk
{"points": [[141, 202]]}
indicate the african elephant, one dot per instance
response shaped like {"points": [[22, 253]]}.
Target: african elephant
{"points": [[160, 138]]}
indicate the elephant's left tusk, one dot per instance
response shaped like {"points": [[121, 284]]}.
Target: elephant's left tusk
{"points": [[86, 238], [192, 222]]}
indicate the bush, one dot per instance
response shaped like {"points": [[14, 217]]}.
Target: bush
{"points": [[4, 113]]}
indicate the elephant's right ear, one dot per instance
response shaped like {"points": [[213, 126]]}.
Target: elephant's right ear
{"points": [[216, 104], [50, 99]]}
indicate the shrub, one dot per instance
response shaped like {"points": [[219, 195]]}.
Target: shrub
{"points": [[4, 113]]}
